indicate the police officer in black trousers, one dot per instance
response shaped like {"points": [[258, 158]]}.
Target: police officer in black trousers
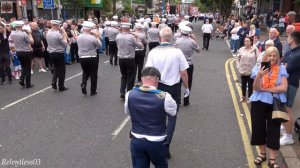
{"points": [[22, 41], [57, 42], [88, 43]]}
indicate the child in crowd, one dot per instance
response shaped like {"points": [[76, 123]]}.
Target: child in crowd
{"points": [[16, 62]]}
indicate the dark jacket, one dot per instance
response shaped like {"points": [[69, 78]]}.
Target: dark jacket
{"points": [[292, 60], [277, 44]]}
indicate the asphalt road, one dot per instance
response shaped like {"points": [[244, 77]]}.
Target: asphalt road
{"points": [[71, 130]]}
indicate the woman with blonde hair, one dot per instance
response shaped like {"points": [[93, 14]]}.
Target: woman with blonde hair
{"points": [[252, 31], [268, 43], [269, 80]]}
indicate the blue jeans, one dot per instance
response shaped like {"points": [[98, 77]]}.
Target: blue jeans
{"points": [[231, 44], [235, 44], [144, 151]]}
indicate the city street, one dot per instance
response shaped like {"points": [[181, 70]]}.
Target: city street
{"points": [[71, 130]]}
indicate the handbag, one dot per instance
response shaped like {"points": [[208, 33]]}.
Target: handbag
{"points": [[279, 113]]}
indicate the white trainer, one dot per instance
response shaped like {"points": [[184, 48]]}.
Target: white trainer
{"points": [[286, 140], [31, 72], [282, 130], [42, 70]]}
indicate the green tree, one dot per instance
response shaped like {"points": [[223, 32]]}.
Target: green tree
{"points": [[73, 4]]}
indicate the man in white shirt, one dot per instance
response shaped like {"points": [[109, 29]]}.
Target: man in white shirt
{"points": [[148, 108], [207, 29], [172, 64]]}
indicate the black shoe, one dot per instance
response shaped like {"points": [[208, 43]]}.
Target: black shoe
{"points": [[10, 81], [116, 64], [206, 48], [21, 83], [94, 93], [186, 102], [29, 86], [3, 82], [63, 89], [83, 89], [54, 86], [111, 63], [168, 153], [122, 96]]}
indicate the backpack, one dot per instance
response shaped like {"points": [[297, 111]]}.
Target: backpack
{"points": [[297, 127]]}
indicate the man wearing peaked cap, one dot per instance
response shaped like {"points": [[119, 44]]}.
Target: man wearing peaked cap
{"points": [[187, 44], [87, 51], [153, 36], [57, 42], [148, 108], [106, 30], [23, 41], [127, 43], [113, 49], [140, 53]]}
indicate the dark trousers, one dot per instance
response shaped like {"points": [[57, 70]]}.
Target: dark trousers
{"points": [[5, 67], [143, 152], [139, 62], [265, 131], [128, 72], [153, 45], [74, 52], [113, 51], [59, 71], [174, 91], [206, 38], [107, 45], [48, 62], [190, 72], [247, 81], [25, 60], [89, 69]]}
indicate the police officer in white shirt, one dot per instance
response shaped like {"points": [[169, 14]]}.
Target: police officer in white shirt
{"points": [[188, 45], [172, 65], [88, 43], [207, 29]]}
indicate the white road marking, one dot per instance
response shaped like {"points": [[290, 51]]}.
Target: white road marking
{"points": [[120, 127], [35, 93]]}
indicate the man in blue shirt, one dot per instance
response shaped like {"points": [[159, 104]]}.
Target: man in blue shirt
{"points": [[291, 61]]}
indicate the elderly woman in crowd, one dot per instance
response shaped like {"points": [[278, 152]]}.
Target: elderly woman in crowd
{"points": [[247, 57], [268, 43], [268, 82]]}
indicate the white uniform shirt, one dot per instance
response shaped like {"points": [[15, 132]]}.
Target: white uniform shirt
{"points": [[207, 28], [170, 108], [169, 61]]}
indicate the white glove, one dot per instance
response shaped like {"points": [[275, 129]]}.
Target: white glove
{"points": [[186, 92]]}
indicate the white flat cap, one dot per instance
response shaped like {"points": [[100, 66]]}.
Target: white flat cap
{"points": [[153, 23], [114, 23], [107, 23], [186, 17], [182, 24], [56, 22], [138, 26], [164, 20], [88, 25], [19, 23], [185, 30], [125, 25], [142, 20], [115, 17]]}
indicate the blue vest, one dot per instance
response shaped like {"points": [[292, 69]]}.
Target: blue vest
{"points": [[147, 112]]}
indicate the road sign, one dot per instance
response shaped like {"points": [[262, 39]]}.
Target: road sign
{"points": [[48, 4]]}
